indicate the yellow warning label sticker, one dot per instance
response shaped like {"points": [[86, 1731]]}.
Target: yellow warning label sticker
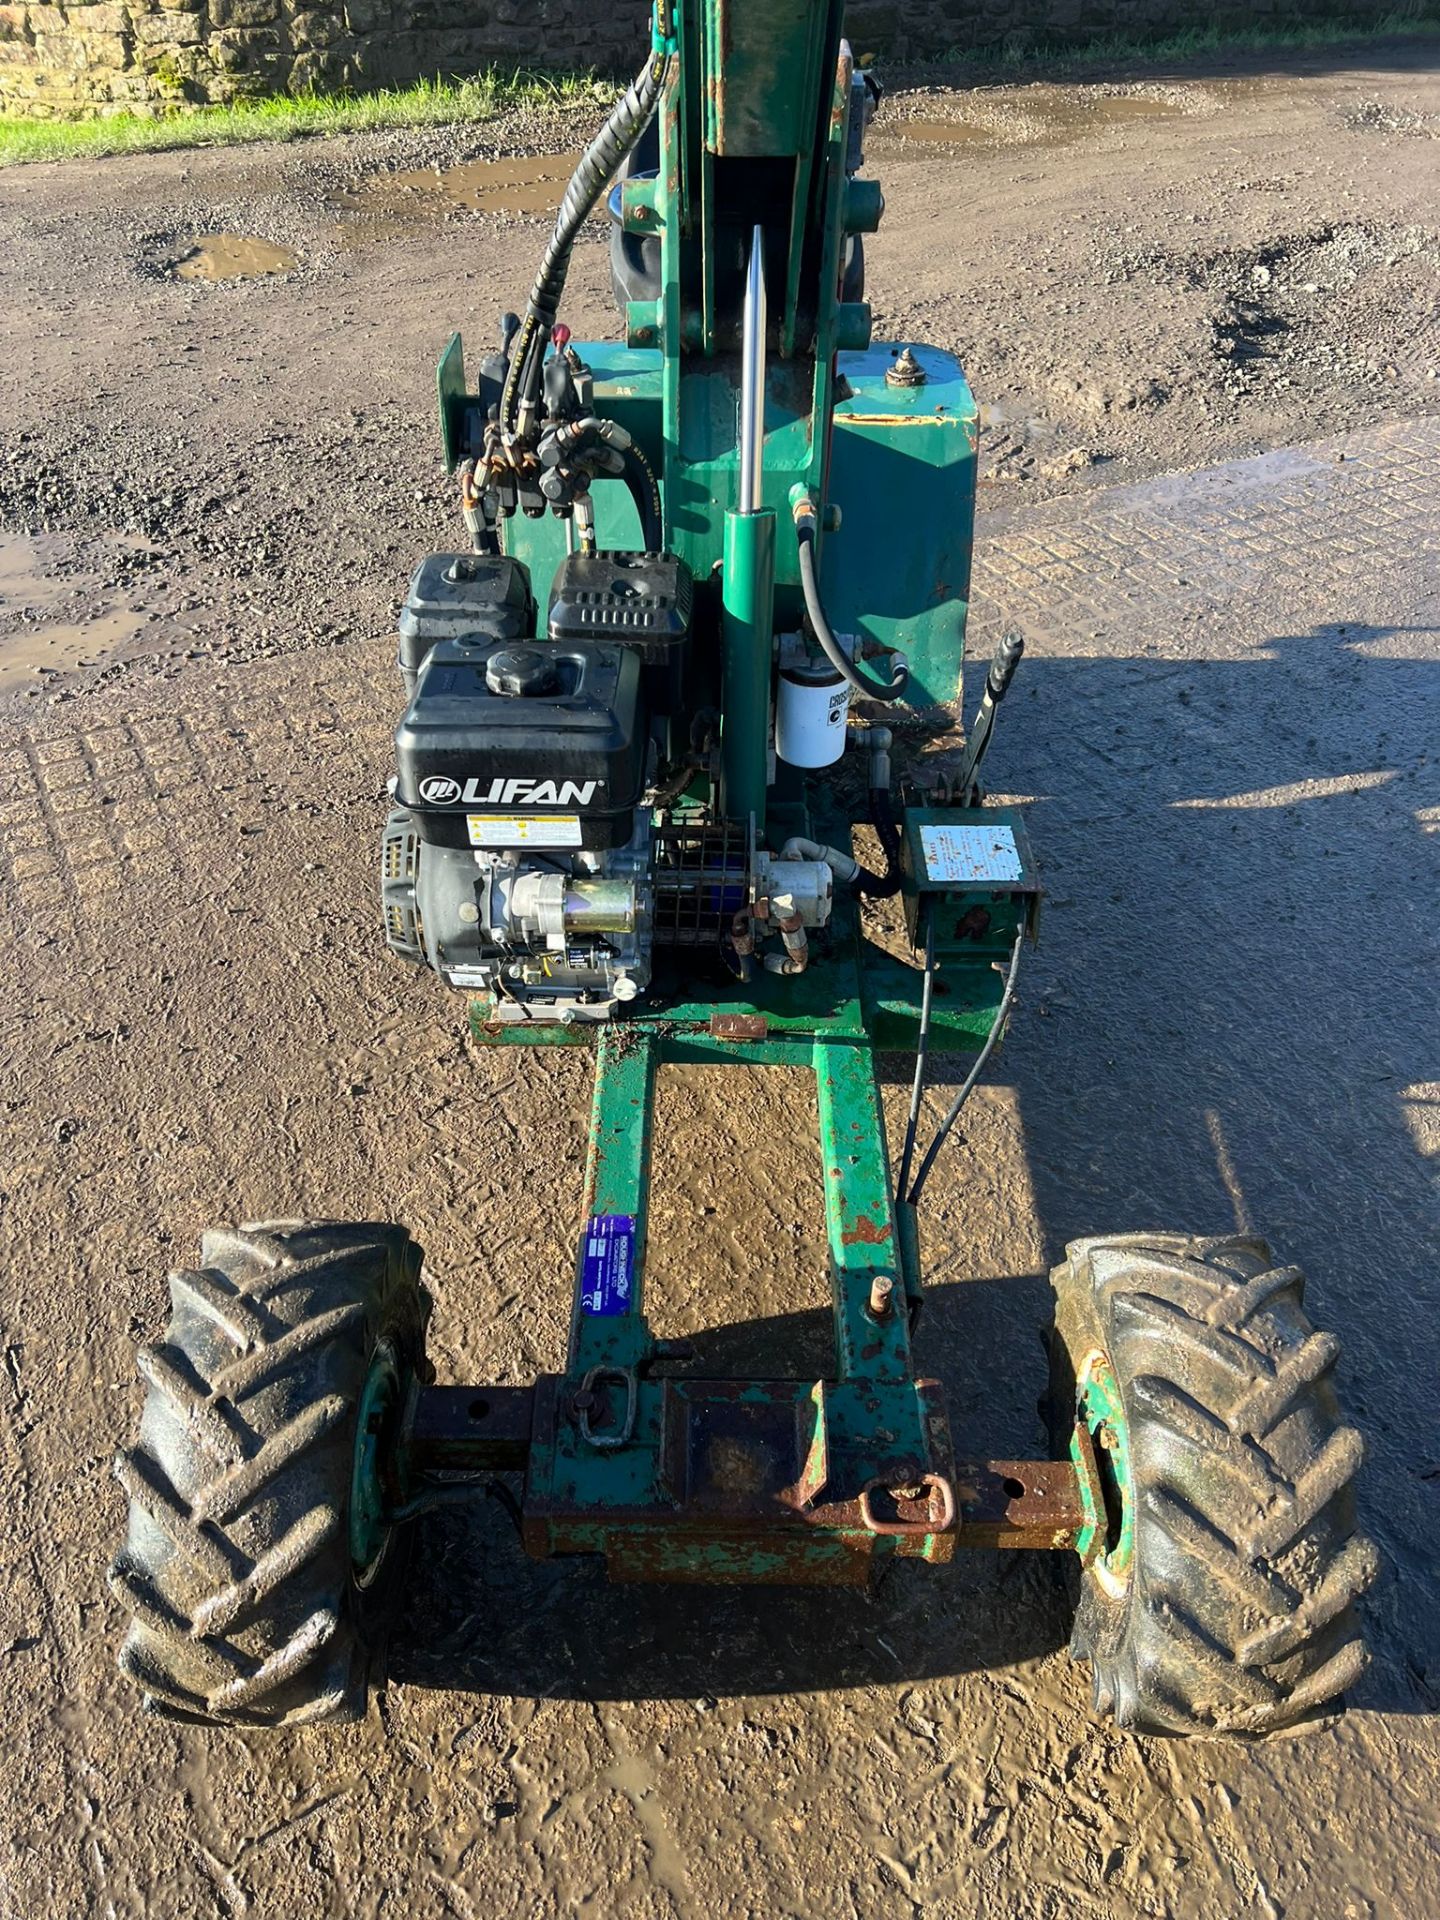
{"points": [[523, 829]]}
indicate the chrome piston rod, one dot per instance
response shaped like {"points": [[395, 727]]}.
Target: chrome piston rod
{"points": [[752, 378]]}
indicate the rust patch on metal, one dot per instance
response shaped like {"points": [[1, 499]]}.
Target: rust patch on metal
{"points": [[866, 1233], [739, 1026], [1018, 1503], [926, 1507]]}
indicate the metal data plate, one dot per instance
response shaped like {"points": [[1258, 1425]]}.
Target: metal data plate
{"points": [[967, 850], [971, 856]]}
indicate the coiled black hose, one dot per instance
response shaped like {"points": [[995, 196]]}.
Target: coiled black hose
{"points": [[847, 668], [591, 177]]}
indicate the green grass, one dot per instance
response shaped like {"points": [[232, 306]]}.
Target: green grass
{"points": [[427, 104], [1298, 36], [434, 103]]}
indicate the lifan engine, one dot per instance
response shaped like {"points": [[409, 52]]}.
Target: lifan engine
{"points": [[535, 853]]}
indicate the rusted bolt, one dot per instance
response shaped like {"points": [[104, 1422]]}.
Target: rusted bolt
{"points": [[1108, 1438], [881, 1288]]}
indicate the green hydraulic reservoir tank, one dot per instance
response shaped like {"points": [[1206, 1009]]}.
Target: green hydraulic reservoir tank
{"points": [[902, 472]]}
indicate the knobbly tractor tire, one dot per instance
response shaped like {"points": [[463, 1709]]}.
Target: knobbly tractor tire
{"points": [[258, 1568], [1222, 1599]]}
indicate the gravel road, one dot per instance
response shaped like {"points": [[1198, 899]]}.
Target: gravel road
{"points": [[1201, 309]]}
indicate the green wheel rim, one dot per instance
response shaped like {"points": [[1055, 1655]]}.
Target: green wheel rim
{"points": [[1101, 1411], [382, 1401]]}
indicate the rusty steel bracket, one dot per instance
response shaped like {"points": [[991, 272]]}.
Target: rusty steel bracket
{"points": [[1019, 1503], [470, 1430]]}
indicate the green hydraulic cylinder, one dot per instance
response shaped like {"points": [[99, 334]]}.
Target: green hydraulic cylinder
{"points": [[748, 639]]}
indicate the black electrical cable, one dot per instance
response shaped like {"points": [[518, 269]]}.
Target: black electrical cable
{"points": [[912, 1198], [922, 1047], [628, 120], [830, 646]]}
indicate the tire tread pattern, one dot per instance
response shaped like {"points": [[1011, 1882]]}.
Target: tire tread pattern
{"points": [[1239, 1615], [235, 1569]]}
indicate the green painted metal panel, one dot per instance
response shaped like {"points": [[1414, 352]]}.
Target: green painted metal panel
{"points": [[961, 1013], [902, 472], [763, 61], [450, 391], [859, 1216]]}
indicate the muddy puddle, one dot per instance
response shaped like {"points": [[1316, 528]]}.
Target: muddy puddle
{"points": [[388, 205], [52, 623], [231, 256], [1040, 116]]}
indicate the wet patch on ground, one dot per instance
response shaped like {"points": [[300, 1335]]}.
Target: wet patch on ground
{"points": [[387, 205], [227, 243], [55, 618], [232, 256], [1038, 115]]}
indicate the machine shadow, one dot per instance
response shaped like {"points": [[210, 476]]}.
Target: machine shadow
{"points": [[1230, 1022], [483, 1618]]}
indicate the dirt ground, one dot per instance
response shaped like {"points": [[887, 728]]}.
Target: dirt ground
{"points": [[1205, 330]]}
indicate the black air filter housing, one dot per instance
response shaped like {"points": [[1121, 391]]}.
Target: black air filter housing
{"points": [[524, 744], [474, 597], [641, 601]]}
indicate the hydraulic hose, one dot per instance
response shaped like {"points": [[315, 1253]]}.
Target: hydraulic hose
{"points": [[848, 669], [640, 479], [882, 886], [597, 166], [997, 682]]}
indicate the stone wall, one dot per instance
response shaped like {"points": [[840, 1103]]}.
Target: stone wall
{"points": [[107, 56]]}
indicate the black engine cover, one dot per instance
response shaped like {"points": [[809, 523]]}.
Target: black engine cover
{"points": [[462, 596], [524, 744], [643, 601]]}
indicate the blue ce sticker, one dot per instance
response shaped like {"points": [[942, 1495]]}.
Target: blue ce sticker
{"points": [[607, 1264]]}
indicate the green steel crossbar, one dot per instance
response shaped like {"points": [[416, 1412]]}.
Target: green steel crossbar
{"points": [[617, 1181]]}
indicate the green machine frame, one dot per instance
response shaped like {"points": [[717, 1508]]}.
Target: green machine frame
{"points": [[804, 500], [673, 1477], [625, 1453]]}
